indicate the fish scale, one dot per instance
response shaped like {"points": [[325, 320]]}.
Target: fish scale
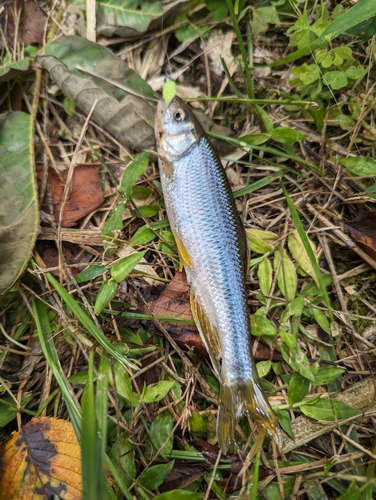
{"points": [[212, 246]]}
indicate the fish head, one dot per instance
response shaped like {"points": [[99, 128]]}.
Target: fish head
{"points": [[175, 128]]}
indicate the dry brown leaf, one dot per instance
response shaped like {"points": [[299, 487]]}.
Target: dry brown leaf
{"points": [[182, 475], [31, 24], [86, 192], [40, 461], [174, 301], [363, 230]]}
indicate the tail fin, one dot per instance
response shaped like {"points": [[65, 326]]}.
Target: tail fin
{"points": [[240, 399]]}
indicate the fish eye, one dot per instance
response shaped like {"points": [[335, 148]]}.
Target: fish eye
{"points": [[179, 115]]}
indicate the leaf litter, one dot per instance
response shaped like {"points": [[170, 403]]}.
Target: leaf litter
{"points": [[161, 416]]}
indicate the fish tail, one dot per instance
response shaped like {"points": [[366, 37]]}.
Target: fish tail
{"points": [[244, 398]]}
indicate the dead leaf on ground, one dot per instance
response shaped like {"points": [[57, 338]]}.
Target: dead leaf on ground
{"points": [[363, 230], [73, 255], [40, 461], [174, 301], [181, 476], [86, 193], [31, 24]]}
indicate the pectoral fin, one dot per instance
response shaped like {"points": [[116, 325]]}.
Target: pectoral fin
{"points": [[208, 333], [184, 258]]}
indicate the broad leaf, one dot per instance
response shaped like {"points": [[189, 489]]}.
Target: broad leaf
{"points": [[153, 477], [327, 409], [298, 388], [360, 165], [161, 431], [156, 392], [11, 70], [131, 173], [18, 197], [131, 13]]}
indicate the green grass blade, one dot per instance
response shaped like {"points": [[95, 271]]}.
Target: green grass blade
{"points": [[257, 185], [278, 152], [50, 353], [310, 252], [102, 418], [255, 476], [86, 322], [90, 477], [246, 70], [118, 477]]}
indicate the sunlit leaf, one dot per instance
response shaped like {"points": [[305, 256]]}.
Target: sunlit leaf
{"points": [[41, 461], [360, 165], [156, 392], [298, 388], [327, 409]]}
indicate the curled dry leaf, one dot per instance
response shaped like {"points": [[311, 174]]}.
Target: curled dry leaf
{"points": [[128, 117], [129, 121], [85, 192], [181, 476], [363, 230], [41, 461]]}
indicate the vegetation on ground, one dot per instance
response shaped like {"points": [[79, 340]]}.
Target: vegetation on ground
{"points": [[96, 334]]}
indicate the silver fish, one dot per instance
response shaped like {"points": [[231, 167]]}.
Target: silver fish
{"points": [[213, 248]]}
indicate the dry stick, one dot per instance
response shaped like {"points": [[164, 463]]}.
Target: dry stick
{"points": [[68, 186], [362, 268], [208, 489], [42, 138], [346, 317], [354, 443], [277, 470], [361, 396], [90, 20]]}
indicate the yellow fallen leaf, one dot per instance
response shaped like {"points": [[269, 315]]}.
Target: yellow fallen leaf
{"points": [[42, 460]]}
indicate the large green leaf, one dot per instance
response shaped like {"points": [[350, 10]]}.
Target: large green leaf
{"points": [[132, 13], [18, 196], [9, 70]]}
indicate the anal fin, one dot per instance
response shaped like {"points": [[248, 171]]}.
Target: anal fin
{"points": [[208, 333], [184, 258]]}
